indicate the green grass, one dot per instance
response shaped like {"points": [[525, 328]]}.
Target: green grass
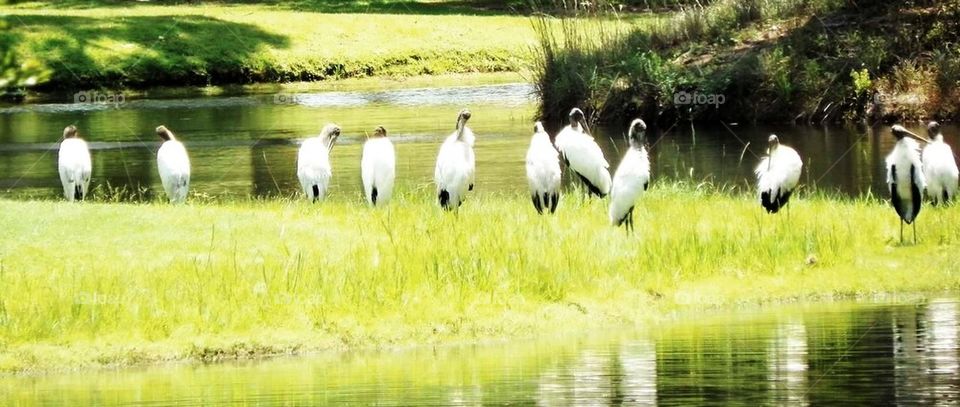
{"points": [[121, 45], [223, 43], [94, 284]]}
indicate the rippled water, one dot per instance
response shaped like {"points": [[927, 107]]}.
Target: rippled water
{"points": [[246, 146], [828, 355]]}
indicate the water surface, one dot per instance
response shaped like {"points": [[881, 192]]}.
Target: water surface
{"points": [[245, 146], [854, 354]]}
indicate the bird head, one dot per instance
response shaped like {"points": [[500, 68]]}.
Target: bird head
{"points": [[380, 131], [164, 133], [772, 143], [900, 132], [329, 134], [933, 130], [462, 118], [577, 118], [637, 132], [70, 132]]}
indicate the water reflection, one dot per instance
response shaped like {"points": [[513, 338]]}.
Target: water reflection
{"points": [[787, 364], [842, 354], [246, 146]]}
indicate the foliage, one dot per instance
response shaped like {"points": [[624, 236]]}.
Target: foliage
{"points": [[780, 61]]}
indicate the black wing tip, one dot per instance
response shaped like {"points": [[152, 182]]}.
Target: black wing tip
{"points": [[537, 204], [444, 198], [593, 189]]}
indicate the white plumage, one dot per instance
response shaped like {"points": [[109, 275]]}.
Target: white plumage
{"points": [[74, 165], [455, 169], [583, 155], [939, 167], [631, 178], [174, 166], [313, 163], [905, 178], [777, 175], [378, 168], [543, 170]]}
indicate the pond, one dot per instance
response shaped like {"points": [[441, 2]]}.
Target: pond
{"points": [[862, 354], [246, 146]]}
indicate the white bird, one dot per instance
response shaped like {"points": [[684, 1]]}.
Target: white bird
{"points": [[173, 165], [905, 177], [543, 170], [939, 167], [74, 165], [378, 168], [313, 162], [777, 175], [583, 155], [631, 178], [455, 165]]}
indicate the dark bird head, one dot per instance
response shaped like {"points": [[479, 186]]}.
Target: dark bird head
{"points": [[462, 118], [900, 132], [637, 132], [164, 133], [379, 132], [577, 118], [70, 132], [329, 134], [933, 130]]}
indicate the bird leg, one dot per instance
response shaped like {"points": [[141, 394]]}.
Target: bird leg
{"points": [[914, 232], [901, 231]]}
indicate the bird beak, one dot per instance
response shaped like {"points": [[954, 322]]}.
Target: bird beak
{"points": [[583, 124], [917, 136]]}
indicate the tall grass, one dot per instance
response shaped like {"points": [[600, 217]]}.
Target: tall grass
{"points": [[771, 60], [93, 284]]}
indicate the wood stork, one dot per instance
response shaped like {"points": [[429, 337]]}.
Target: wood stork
{"points": [[905, 177], [543, 170], [173, 165], [456, 165], [74, 165], [939, 167], [631, 178], [583, 155], [777, 175], [378, 168], [313, 162]]}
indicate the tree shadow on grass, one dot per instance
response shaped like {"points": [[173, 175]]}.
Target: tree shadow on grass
{"points": [[468, 7], [159, 50]]}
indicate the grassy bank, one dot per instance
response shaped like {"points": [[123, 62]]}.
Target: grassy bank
{"points": [[113, 284], [797, 60], [134, 45]]}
